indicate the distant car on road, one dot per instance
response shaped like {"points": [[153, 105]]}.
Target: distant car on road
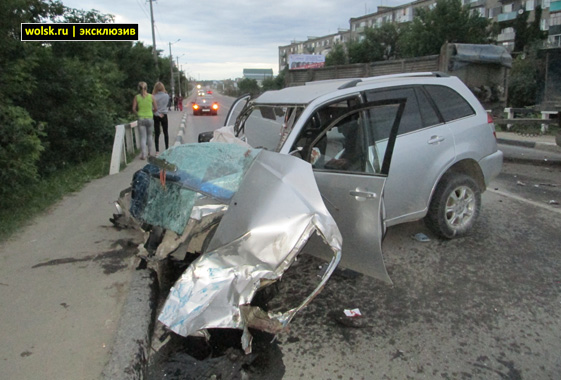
{"points": [[205, 105]]}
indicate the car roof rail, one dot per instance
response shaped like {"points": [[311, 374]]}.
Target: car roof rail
{"points": [[437, 74], [350, 84]]}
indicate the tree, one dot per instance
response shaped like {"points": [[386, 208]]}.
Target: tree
{"points": [[524, 79], [249, 86], [448, 21], [20, 144], [337, 56], [527, 34]]}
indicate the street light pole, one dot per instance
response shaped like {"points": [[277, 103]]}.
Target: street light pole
{"points": [[178, 75], [171, 69]]}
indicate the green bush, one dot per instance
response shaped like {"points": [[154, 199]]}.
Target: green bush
{"points": [[20, 149]]}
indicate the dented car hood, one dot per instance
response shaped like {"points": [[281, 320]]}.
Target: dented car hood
{"points": [[273, 206]]}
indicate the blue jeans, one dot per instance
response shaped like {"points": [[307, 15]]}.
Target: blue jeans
{"points": [[145, 127]]}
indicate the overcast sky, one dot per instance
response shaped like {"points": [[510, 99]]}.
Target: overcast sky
{"points": [[219, 38]]}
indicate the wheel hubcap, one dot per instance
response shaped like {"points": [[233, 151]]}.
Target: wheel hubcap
{"points": [[460, 207]]}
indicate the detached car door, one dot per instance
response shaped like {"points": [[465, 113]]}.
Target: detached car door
{"points": [[351, 158]]}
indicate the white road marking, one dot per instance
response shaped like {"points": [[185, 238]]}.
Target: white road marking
{"points": [[518, 198]]}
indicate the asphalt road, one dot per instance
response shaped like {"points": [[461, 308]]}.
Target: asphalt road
{"points": [[487, 306]]}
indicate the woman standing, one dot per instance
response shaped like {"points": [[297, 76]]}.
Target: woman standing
{"points": [[143, 106], [161, 116]]}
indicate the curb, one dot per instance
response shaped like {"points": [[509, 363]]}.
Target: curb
{"points": [[130, 352], [533, 161], [526, 144], [181, 132]]}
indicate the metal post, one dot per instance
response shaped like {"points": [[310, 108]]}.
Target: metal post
{"points": [[171, 72], [178, 76], [171, 69]]}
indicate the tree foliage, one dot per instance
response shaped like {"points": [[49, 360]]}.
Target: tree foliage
{"points": [[249, 86], [524, 79], [527, 33], [378, 44], [61, 100], [448, 21], [337, 56]]}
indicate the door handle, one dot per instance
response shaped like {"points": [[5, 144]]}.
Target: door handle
{"points": [[436, 139], [363, 194]]}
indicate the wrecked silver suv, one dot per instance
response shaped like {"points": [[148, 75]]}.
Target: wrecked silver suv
{"points": [[444, 156], [335, 160]]}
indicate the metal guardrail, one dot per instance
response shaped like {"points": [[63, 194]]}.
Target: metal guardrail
{"points": [[511, 120], [125, 142]]}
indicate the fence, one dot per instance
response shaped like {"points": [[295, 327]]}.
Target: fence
{"points": [[125, 142], [362, 70], [544, 121]]}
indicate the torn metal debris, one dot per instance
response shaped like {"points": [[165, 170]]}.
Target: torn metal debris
{"points": [[250, 212]]}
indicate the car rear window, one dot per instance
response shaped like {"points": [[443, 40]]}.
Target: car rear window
{"points": [[451, 105]]}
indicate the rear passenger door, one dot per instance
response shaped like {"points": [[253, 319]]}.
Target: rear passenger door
{"points": [[424, 147]]}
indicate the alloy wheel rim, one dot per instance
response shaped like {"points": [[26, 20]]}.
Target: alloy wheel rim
{"points": [[460, 207]]}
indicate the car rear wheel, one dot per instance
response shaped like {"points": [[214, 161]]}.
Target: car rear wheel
{"points": [[454, 207]]}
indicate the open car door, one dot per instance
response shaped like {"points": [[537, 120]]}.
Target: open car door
{"points": [[236, 108], [351, 159]]}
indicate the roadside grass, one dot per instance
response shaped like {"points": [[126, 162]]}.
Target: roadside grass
{"points": [[48, 191]]}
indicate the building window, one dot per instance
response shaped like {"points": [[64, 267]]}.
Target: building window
{"points": [[507, 8], [530, 5]]}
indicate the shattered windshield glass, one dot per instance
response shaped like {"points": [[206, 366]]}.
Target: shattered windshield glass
{"points": [[266, 126], [166, 197]]}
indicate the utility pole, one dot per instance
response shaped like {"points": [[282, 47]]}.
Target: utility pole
{"points": [[154, 52], [178, 75], [171, 69]]}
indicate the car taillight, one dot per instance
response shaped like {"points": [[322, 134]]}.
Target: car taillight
{"points": [[490, 121], [215, 106], [195, 106]]}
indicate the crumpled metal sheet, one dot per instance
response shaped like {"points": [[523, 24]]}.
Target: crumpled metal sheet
{"points": [[270, 218], [166, 198]]}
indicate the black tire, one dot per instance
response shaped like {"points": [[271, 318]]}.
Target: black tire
{"points": [[454, 207]]}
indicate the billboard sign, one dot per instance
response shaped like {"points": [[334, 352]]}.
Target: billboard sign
{"points": [[305, 61]]}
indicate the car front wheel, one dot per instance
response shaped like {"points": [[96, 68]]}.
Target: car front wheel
{"points": [[454, 207]]}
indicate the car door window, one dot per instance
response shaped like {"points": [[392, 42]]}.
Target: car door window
{"points": [[411, 119], [358, 141], [451, 105]]}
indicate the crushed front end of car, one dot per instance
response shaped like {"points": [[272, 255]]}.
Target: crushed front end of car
{"points": [[249, 213]]}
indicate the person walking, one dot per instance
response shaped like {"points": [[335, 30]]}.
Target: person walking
{"points": [[180, 103], [144, 105], [161, 116]]}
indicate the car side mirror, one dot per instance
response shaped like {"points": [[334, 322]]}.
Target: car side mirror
{"points": [[206, 136]]}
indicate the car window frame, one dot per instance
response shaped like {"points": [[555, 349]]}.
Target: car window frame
{"points": [[361, 107]]}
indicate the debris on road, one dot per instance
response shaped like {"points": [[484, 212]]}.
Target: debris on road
{"points": [[421, 237], [341, 317]]}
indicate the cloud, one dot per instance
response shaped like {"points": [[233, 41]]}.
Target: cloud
{"points": [[219, 38]]}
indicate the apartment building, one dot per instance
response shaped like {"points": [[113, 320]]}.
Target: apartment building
{"points": [[502, 12]]}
